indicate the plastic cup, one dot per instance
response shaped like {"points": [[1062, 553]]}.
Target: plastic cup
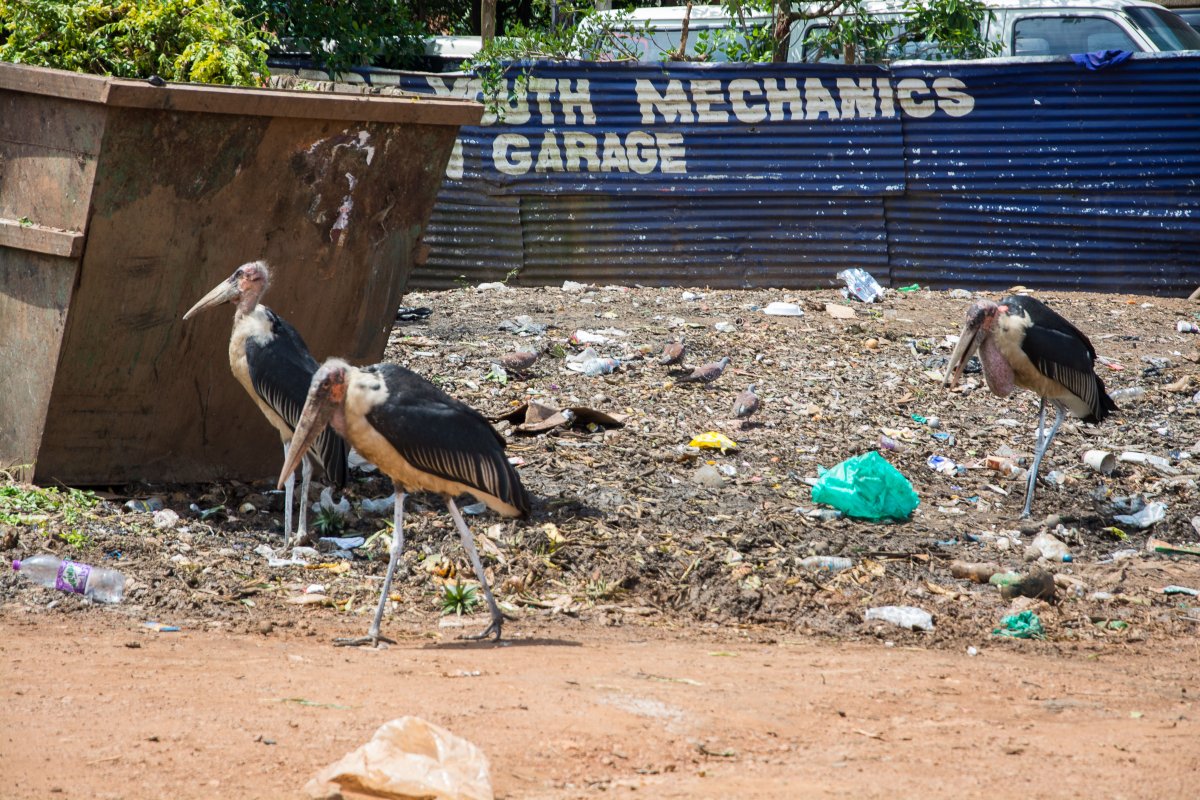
{"points": [[1100, 460]]}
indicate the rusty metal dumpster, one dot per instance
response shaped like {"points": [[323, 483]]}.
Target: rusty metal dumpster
{"points": [[121, 203]]}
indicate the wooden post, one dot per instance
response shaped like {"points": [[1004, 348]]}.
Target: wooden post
{"points": [[487, 20]]}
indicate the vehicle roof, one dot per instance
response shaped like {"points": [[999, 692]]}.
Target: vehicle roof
{"points": [[715, 13]]}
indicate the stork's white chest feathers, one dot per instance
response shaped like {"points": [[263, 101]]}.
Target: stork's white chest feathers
{"points": [[1008, 333], [255, 326]]}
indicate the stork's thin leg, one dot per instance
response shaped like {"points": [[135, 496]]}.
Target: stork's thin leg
{"points": [[469, 544], [306, 471], [289, 487], [373, 638], [1043, 446]]}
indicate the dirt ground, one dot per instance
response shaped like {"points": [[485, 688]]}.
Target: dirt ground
{"points": [[668, 640]]}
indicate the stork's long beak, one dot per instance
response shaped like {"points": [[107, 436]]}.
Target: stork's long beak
{"points": [[968, 343], [318, 408], [223, 292]]}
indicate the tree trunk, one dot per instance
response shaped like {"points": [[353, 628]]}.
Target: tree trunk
{"points": [[487, 19], [782, 30]]}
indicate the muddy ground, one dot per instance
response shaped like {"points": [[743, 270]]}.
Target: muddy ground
{"points": [[632, 567]]}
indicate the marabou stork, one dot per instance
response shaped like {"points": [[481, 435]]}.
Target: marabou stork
{"points": [[271, 361], [1022, 342], [424, 440]]}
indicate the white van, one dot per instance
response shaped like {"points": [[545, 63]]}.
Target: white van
{"points": [[1019, 27]]}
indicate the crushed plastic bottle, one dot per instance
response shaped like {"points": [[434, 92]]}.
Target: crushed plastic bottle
{"points": [[1050, 547], [910, 617], [826, 563], [1183, 326], [861, 284], [1128, 393], [594, 367], [98, 583]]}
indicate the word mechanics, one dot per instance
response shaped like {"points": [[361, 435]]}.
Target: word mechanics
{"points": [[569, 138]]}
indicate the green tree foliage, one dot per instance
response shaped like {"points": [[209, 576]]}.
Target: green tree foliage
{"points": [[341, 35], [203, 41]]}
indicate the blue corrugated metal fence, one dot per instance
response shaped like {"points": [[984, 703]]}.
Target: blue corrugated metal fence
{"points": [[977, 174]]}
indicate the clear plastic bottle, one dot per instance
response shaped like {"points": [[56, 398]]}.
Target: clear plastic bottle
{"points": [[1129, 393], [99, 583]]}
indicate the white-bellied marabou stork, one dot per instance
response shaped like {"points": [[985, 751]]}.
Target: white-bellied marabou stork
{"points": [[424, 440], [1022, 342], [273, 364]]}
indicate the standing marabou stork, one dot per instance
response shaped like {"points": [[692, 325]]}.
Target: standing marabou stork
{"points": [[1022, 342], [424, 440], [271, 361]]}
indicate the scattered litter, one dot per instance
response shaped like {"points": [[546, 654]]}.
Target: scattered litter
{"points": [[326, 502], [534, 417], [1152, 514], [973, 571], [523, 325], [909, 617], [1101, 461], [1159, 546], [344, 542], [1024, 625], [725, 327], [384, 505], [474, 509], [1050, 547], [866, 486], [826, 563], [205, 513], [942, 464], [574, 287], [1038, 584], [709, 477], [861, 284], [150, 504], [413, 313], [356, 461], [778, 309], [493, 286], [713, 440], [409, 758], [1158, 462], [1173, 589], [588, 337], [160, 627], [300, 556], [165, 519]]}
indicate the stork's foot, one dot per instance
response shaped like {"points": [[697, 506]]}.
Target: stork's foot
{"points": [[370, 639], [497, 623]]}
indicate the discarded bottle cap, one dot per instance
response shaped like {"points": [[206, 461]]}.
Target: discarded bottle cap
{"points": [[1102, 461]]}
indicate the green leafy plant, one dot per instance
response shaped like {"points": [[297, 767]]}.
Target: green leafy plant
{"points": [[460, 598], [329, 522], [341, 36], [203, 41], [64, 509]]}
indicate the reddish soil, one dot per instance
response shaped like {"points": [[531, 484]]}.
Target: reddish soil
{"points": [[569, 709]]}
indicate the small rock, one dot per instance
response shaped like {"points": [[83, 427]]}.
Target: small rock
{"points": [[265, 627]]}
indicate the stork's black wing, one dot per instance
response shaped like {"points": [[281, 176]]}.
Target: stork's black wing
{"points": [[1068, 359], [281, 370], [1046, 318], [444, 436]]}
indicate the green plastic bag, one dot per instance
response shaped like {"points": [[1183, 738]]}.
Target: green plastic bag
{"points": [[1025, 625], [866, 486]]}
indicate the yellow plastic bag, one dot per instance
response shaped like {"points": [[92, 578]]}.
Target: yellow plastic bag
{"points": [[714, 441]]}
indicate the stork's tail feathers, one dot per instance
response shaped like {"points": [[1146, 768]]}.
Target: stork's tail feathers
{"points": [[1106, 403]]}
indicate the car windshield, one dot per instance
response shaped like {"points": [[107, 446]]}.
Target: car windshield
{"points": [[1167, 30]]}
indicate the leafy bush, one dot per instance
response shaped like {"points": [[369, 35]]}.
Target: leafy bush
{"points": [[342, 35], [203, 41]]}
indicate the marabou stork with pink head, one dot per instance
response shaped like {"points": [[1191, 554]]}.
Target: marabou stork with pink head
{"points": [[424, 440], [269, 358], [1023, 342]]}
